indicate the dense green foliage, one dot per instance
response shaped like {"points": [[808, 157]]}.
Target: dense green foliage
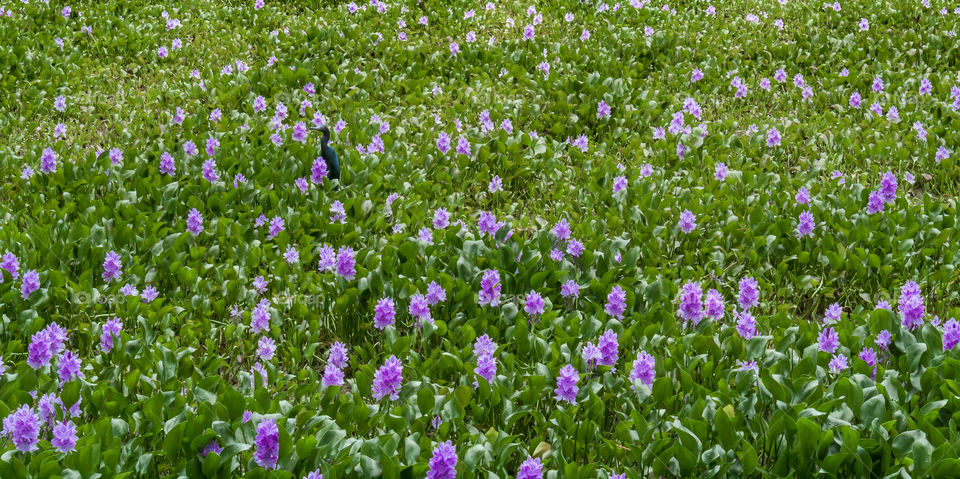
{"points": [[183, 370]]}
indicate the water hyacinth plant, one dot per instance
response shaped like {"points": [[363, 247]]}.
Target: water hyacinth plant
{"points": [[627, 239]]}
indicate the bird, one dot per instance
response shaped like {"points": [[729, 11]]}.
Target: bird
{"points": [[329, 154]]}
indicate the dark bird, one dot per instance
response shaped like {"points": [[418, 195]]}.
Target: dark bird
{"points": [[329, 154]]}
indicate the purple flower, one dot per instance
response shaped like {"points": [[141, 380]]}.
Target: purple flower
{"points": [[441, 218], [562, 230], [696, 75], [838, 364], [875, 203], [616, 302], [619, 184], [533, 304], [332, 376], [68, 367], [194, 222], [746, 324], [720, 172], [110, 330], [532, 468], [486, 367], [260, 317], [869, 356], [346, 262], [603, 110], [212, 446], [496, 184], [10, 264], [31, 283], [803, 196], [888, 187], [148, 294], [570, 289], [112, 267], [443, 142], [189, 148], [574, 248], [883, 339], [167, 165], [773, 137], [419, 308], [951, 334], [328, 258], [267, 443], [387, 379], [443, 464], [829, 340], [266, 347], [805, 225], [338, 355], [608, 346], [39, 352], [384, 313], [463, 147], [22, 426], [567, 385], [209, 171], [488, 223], [64, 437], [691, 307], [910, 306], [855, 100], [318, 171], [490, 288], [713, 306], [291, 255], [749, 294], [688, 222], [643, 369]]}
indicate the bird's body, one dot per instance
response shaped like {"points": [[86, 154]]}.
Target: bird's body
{"points": [[329, 154]]}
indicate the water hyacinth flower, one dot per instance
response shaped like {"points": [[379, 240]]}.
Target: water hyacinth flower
{"points": [[291, 255], [570, 289], [332, 376], [167, 164], [875, 203], [720, 172], [387, 379], [691, 307], [68, 367], [10, 264], [838, 364], [212, 446], [39, 352], [616, 302], [209, 171], [346, 262], [910, 306], [869, 356], [773, 137], [194, 222], [805, 225], [31, 283], [384, 313], [64, 437], [441, 218], [608, 347], [110, 330], [266, 347], [746, 324], [603, 110], [619, 184], [828, 340], [490, 288], [567, 385], [687, 221], [883, 339], [419, 308], [533, 304], [22, 426], [337, 355], [643, 369], [260, 317], [443, 463], [714, 306], [267, 443], [951, 334], [833, 312], [749, 294]]}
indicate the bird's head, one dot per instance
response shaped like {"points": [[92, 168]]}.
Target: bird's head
{"points": [[326, 134]]}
